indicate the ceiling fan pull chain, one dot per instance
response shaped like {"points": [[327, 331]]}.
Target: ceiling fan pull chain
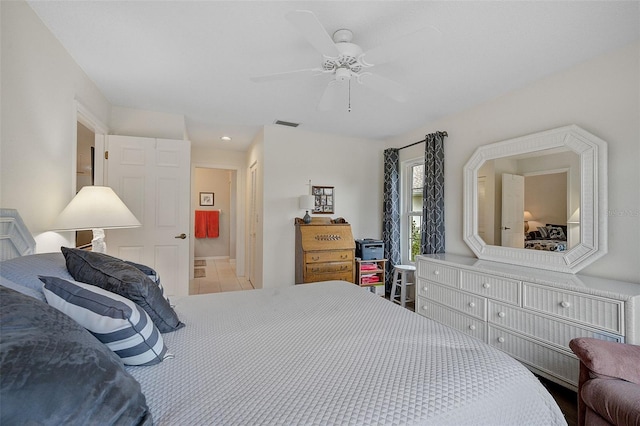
{"points": [[349, 109]]}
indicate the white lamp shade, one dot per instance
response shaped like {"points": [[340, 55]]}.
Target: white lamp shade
{"points": [[527, 215], [95, 207], [307, 202]]}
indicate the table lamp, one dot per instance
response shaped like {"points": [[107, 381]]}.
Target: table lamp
{"points": [[96, 208]]}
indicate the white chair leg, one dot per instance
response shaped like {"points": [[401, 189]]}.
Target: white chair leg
{"points": [[392, 296], [403, 289]]}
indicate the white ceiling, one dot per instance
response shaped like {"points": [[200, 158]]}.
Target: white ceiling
{"points": [[196, 57]]}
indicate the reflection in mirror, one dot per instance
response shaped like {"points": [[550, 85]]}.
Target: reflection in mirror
{"points": [[560, 176], [526, 201]]}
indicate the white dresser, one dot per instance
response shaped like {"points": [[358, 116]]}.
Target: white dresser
{"points": [[529, 313]]}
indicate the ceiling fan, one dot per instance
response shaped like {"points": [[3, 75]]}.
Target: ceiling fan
{"points": [[346, 61]]}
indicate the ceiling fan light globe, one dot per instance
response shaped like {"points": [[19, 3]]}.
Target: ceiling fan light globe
{"points": [[343, 74]]}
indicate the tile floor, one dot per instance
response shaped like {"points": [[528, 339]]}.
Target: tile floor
{"points": [[220, 275]]}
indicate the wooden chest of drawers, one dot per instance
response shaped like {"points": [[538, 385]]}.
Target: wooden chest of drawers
{"points": [[324, 251], [529, 313]]}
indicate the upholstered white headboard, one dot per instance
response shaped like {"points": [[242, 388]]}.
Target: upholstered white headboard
{"points": [[15, 238]]}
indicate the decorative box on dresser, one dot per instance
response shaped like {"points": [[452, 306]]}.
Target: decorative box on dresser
{"points": [[325, 250], [531, 314]]}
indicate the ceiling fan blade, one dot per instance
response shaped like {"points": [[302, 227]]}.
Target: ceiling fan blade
{"points": [[385, 86], [329, 96], [310, 27], [411, 44], [287, 75]]}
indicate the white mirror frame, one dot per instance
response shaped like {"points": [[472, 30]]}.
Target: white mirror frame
{"points": [[593, 200]]}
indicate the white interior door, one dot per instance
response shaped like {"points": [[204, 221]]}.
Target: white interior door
{"points": [[512, 210], [151, 176]]}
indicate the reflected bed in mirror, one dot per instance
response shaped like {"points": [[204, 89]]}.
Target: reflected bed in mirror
{"points": [[538, 200]]}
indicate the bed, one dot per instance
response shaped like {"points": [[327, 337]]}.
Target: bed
{"points": [[322, 353], [547, 238]]}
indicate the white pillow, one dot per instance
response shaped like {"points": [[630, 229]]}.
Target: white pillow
{"points": [[119, 323]]}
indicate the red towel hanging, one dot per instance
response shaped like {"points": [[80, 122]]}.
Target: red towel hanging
{"points": [[213, 223], [201, 224]]}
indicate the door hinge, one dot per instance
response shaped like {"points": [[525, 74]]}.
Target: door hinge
{"points": [[106, 155]]}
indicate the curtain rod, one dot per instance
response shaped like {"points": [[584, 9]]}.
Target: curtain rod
{"points": [[423, 140]]}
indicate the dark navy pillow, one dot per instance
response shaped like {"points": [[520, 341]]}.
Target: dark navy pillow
{"points": [[54, 372], [115, 275]]}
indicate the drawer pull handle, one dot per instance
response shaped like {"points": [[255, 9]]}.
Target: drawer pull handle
{"points": [[486, 285], [472, 327], [315, 257], [344, 256], [472, 305], [425, 288], [424, 308], [501, 339], [502, 314], [436, 272], [565, 304]]}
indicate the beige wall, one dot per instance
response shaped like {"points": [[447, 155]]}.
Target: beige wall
{"points": [[40, 85], [545, 197], [602, 96], [292, 157]]}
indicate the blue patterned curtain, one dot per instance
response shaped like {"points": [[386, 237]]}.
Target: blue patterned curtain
{"points": [[432, 238], [391, 213]]}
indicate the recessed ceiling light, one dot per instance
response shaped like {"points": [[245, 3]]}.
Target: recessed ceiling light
{"points": [[225, 138]]}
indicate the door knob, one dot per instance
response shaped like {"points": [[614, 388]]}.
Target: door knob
{"points": [[181, 236], [505, 228]]}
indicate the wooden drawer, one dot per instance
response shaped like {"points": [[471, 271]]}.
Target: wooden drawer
{"points": [[551, 330], [328, 256], [471, 326], [591, 310], [504, 289], [437, 273], [547, 359], [329, 267], [344, 276], [464, 302]]}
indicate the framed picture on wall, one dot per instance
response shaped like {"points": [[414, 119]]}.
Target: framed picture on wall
{"points": [[324, 201], [206, 198]]}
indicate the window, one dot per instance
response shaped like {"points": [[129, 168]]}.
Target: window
{"points": [[412, 202]]}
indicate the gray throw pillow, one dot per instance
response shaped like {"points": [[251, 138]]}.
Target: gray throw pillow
{"points": [[54, 372], [115, 275]]}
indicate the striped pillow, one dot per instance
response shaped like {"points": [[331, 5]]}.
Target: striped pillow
{"points": [[122, 325]]}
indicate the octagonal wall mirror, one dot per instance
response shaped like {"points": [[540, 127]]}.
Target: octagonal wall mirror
{"points": [[539, 200]]}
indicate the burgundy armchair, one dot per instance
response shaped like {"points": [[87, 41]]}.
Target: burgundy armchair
{"points": [[609, 382]]}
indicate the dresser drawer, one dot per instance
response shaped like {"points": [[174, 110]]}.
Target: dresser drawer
{"points": [[329, 276], [437, 273], [464, 302], [591, 310], [328, 256], [503, 289], [552, 361], [471, 326], [329, 267], [551, 330]]}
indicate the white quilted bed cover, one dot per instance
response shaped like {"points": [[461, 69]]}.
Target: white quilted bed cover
{"points": [[332, 353]]}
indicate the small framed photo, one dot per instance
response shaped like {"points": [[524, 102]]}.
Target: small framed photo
{"points": [[323, 198], [206, 198]]}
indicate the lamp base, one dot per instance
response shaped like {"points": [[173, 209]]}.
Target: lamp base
{"points": [[306, 218], [97, 243]]}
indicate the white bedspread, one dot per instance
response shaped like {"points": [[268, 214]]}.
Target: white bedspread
{"points": [[332, 353]]}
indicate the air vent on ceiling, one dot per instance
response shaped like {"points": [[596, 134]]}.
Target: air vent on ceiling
{"points": [[286, 123]]}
